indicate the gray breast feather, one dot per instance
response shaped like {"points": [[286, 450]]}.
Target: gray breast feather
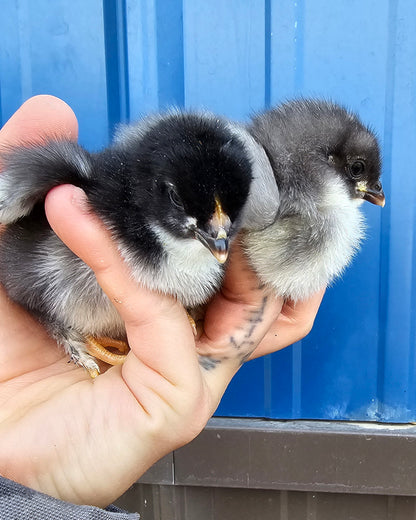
{"points": [[51, 278], [300, 254], [187, 269], [53, 281]]}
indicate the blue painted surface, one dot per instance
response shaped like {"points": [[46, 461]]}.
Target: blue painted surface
{"points": [[116, 60]]}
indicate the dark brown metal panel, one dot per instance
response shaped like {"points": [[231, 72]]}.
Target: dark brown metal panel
{"points": [[219, 503], [252, 469], [133, 500], [310, 456], [162, 472], [201, 503], [336, 506], [154, 501]]}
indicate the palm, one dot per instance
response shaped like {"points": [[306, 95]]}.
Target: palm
{"points": [[79, 433], [64, 434]]}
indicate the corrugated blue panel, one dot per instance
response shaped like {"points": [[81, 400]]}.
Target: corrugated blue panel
{"points": [[155, 55], [56, 47], [225, 55], [116, 60], [397, 386], [350, 68]]}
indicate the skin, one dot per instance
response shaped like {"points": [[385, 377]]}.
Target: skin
{"points": [[86, 441]]}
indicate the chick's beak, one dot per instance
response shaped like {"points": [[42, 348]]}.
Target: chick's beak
{"points": [[216, 238], [373, 194]]}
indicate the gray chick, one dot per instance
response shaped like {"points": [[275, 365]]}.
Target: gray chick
{"points": [[325, 163]]}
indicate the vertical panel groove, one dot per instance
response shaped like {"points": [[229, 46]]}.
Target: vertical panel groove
{"points": [[311, 504], [412, 338], [267, 52], [284, 509], [116, 53], [297, 380], [268, 381], [170, 50], [24, 49], [299, 44], [386, 214]]}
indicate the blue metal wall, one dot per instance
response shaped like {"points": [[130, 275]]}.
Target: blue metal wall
{"points": [[116, 60]]}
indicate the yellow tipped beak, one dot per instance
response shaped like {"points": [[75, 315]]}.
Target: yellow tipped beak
{"points": [[220, 222], [220, 250], [375, 194], [216, 240]]}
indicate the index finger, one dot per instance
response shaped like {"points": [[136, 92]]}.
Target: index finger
{"points": [[157, 327]]}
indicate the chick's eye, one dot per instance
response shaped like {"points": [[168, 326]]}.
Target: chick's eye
{"points": [[174, 198], [357, 168]]}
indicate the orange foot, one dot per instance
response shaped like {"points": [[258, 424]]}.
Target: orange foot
{"points": [[95, 347], [192, 324]]}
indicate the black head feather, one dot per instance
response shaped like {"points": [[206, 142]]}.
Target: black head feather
{"points": [[307, 140], [169, 170]]}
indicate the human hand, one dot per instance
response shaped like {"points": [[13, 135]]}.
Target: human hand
{"points": [[87, 441]]}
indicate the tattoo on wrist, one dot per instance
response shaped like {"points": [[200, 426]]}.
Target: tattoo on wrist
{"points": [[209, 363]]}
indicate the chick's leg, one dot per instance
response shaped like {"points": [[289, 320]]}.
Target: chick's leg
{"points": [[118, 344], [196, 317], [95, 348], [192, 324], [74, 345]]}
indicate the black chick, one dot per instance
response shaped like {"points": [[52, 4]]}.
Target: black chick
{"points": [[171, 190], [325, 163]]}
